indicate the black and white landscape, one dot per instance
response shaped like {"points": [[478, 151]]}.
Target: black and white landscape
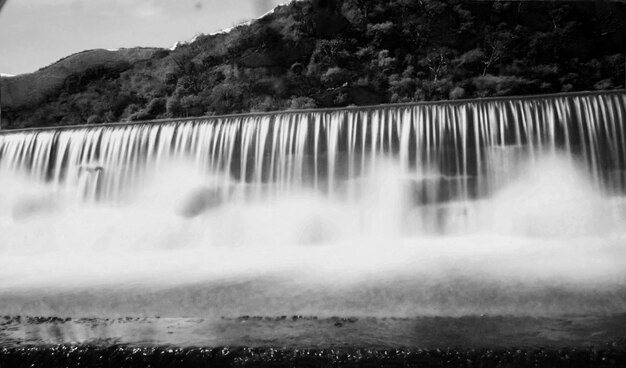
{"points": [[364, 176]]}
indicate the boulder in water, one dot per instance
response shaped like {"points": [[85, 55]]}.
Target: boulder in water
{"points": [[198, 201]]}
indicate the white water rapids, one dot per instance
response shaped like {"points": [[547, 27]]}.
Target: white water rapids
{"points": [[505, 206]]}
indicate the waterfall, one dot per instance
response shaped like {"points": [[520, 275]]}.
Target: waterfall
{"points": [[539, 167], [452, 151]]}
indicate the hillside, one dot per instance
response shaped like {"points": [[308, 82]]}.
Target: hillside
{"points": [[28, 90], [324, 53]]}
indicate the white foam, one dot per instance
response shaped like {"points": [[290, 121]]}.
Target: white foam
{"points": [[63, 243]]}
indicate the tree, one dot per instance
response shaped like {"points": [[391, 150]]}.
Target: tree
{"points": [[173, 106], [225, 97], [608, 21], [365, 6], [470, 60], [335, 77], [380, 33], [496, 44], [192, 105], [402, 86], [437, 61]]}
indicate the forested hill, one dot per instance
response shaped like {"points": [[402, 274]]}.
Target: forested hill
{"points": [[325, 53]]}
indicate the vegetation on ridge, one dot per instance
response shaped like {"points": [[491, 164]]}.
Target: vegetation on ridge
{"points": [[325, 53]]}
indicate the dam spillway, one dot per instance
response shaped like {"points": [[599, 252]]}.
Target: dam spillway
{"points": [[453, 196], [458, 140]]}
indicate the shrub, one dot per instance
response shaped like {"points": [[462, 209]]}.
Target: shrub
{"points": [[335, 77], [457, 93], [94, 119], [266, 103], [498, 85], [296, 103]]}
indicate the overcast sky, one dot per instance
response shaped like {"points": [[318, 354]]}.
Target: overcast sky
{"points": [[36, 33]]}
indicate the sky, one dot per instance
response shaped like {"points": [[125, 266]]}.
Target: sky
{"points": [[36, 33]]}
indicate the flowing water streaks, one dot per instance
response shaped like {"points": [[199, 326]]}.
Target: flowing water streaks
{"points": [[423, 191]]}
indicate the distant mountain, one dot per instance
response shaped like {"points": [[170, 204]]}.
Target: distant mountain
{"points": [[324, 53], [29, 90]]}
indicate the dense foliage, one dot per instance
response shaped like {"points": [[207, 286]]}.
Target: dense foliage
{"points": [[325, 53]]}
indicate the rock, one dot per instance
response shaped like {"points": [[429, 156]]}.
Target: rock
{"points": [[199, 201]]}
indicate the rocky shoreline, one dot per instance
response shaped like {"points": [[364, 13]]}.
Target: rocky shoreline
{"points": [[128, 356]]}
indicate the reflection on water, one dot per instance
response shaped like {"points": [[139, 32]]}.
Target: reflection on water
{"points": [[311, 332]]}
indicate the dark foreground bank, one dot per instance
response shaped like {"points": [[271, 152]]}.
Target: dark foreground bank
{"points": [[310, 332], [301, 341], [125, 356]]}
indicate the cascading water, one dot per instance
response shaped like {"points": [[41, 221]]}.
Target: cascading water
{"points": [[483, 206]]}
